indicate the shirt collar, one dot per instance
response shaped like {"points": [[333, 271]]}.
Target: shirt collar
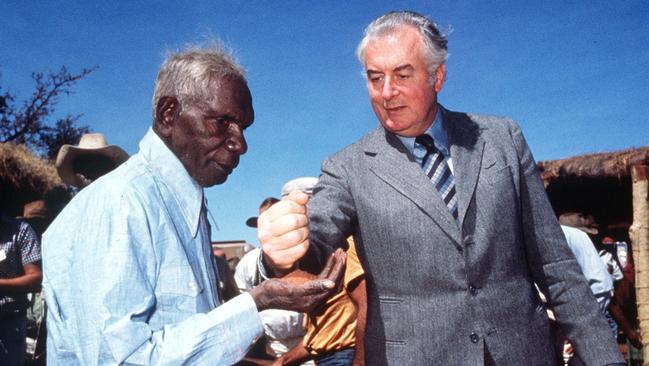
{"points": [[437, 130], [166, 166]]}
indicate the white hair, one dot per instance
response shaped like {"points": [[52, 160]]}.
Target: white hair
{"points": [[186, 75], [435, 43]]}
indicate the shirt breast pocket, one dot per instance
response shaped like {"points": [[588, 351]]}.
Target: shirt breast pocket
{"points": [[178, 289]]}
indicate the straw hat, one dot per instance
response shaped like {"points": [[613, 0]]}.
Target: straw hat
{"points": [[90, 143]]}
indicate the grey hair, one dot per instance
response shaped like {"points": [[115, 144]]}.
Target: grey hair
{"points": [[435, 43], [186, 75]]}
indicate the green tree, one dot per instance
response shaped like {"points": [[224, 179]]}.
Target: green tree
{"points": [[29, 122]]}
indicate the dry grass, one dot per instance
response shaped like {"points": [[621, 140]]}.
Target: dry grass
{"points": [[24, 176]]}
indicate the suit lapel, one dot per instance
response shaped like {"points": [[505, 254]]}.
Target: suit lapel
{"points": [[467, 147], [390, 161]]}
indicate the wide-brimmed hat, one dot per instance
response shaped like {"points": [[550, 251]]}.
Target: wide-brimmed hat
{"points": [[585, 223], [90, 143], [267, 202]]}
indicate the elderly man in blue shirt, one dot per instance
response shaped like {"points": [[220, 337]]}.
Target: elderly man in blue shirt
{"points": [[129, 275]]}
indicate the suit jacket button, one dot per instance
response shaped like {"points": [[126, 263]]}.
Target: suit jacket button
{"points": [[474, 338], [473, 290]]}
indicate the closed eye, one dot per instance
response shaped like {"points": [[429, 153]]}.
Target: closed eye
{"points": [[374, 77], [218, 125]]}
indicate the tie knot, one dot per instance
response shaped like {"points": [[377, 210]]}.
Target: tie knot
{"points": [[426, 141]]}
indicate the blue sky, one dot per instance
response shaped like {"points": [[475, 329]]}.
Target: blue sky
{"points": [[574, 74]]}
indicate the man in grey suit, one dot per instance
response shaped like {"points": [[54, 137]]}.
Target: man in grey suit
{"points": [[453, 233]]}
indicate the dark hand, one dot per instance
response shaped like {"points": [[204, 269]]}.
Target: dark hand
{"points": [[302, 297]]}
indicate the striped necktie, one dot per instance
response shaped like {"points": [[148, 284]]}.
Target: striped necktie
{"points": [[436, 168]]}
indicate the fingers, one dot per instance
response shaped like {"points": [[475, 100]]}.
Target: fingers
{"points": [[310, 295], [317, 288], [298, 295], [333, 259], [284, 207], [283, 230], [338, 267], [293, 225], [285, 258], [298, 197], [328, 266]]}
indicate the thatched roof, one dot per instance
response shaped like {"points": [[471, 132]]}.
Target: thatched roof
{"points": [[24, 176], [596, 184], [594, 166]]}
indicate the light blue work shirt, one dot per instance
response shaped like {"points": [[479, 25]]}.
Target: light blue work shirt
{"points": [[129, 277]]}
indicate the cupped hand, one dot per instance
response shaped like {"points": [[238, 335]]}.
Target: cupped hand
{"points": [[302, 295]]}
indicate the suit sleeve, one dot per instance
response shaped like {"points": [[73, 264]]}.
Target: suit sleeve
{"points": [[332, 214], [555, 269]]}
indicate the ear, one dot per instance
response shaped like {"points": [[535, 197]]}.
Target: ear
{"points": [[166, 113], [440, 76]]}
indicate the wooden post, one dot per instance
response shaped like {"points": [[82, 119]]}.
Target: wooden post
{"points": [[639, 234]]}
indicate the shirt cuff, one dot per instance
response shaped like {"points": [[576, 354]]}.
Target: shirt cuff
{"points": [[261, 268]]}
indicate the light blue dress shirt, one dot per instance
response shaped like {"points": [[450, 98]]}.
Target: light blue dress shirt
{"points": [[129, 276], [440, 138]]}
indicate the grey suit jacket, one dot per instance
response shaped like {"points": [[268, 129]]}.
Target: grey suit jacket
{"points": [[443, 294]]}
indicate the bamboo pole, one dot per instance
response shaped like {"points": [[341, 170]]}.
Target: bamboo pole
{"points": [[639, 234]]}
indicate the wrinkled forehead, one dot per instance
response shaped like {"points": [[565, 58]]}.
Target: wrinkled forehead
{"points": [[230, 96], [227, 92], [405, 37], [398, 47]]}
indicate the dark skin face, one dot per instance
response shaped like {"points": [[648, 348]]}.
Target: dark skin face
{"points": [[207, 136]]}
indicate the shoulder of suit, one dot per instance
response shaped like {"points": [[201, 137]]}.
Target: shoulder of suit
{"points": [[487, 126], [360, 145], [482, 120]]}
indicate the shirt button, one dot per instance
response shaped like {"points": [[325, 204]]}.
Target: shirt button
{"points": [[192, 286], [473, 290], [474, 338]]}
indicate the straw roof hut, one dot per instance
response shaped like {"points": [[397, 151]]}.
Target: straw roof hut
{"points": [[24, 177], [598, 184]]}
